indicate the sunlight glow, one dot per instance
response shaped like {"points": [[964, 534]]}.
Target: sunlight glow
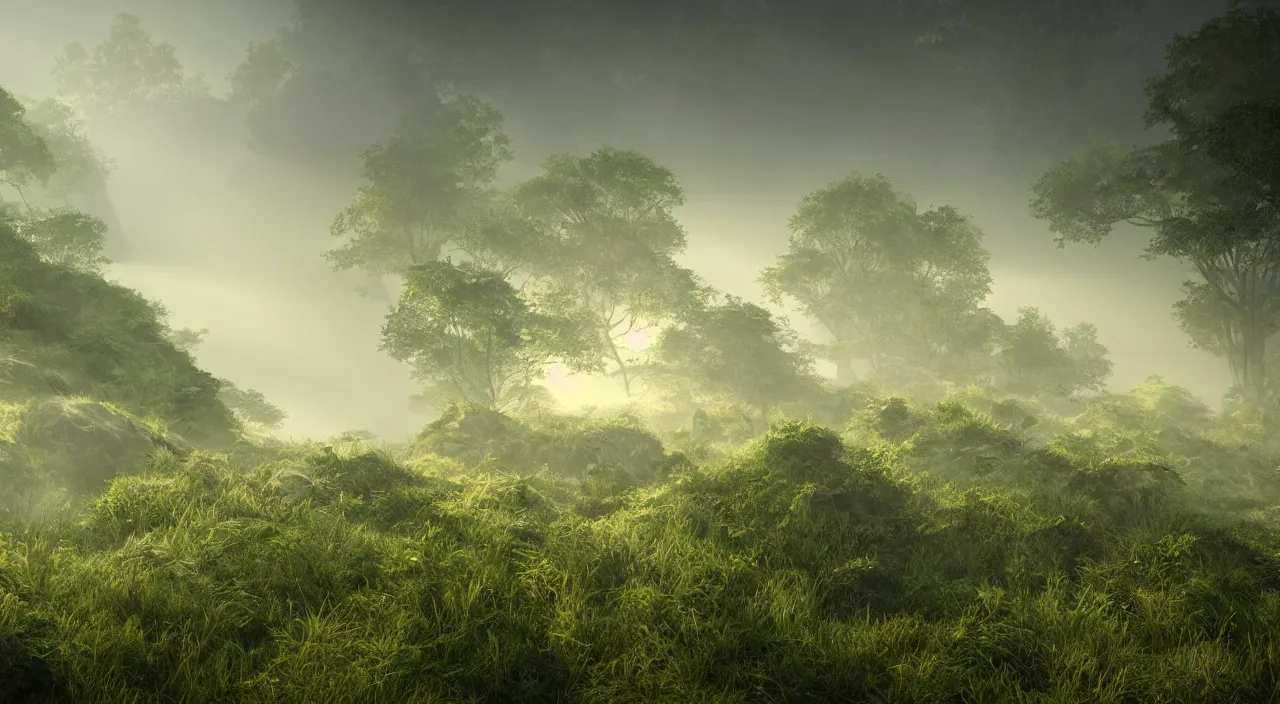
{"points": [[637, 340]]}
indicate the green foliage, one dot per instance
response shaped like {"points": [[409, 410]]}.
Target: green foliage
{"points": [[65, 237], [1009, 542], [473, 434], [1205, 193], [79, 168], [1035, 359], [128, 69], [260, 78], [426, 189], [46, 160], [25, 158], [250, 406], [607, 250], [75, 445], [887, 281], [470, 337], [72, 333], [800, 568], [186, 339], [572, 447], [735, 352]]}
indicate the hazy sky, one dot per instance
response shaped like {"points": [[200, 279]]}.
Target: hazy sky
{"points": [[230, 240]]}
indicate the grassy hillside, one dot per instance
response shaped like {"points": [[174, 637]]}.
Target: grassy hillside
{"points": [[1120, 549], [1128, 553], [68, 332]]}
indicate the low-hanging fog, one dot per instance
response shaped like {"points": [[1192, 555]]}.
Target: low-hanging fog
{"points": [[231, 239]]}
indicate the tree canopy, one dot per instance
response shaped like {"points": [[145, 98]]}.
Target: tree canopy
{"points": [[428, 186], [25, 157], [608, 241], [734, 352], [467, 333], [884, 279], [1207, 194], [127, 69], [1034, 358], [80, 169]]}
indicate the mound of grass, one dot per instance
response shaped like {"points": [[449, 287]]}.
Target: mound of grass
{"points": [[800, 568]]}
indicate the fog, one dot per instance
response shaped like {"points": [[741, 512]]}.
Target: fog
{"points": [[230, 240]]}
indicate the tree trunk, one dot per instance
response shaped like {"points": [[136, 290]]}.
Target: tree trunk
{"points": [[622, 366], [1253, 365]]}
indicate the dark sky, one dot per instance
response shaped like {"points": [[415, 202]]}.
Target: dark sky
{"points": [[751, 103]]}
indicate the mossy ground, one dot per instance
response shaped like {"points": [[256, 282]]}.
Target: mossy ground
{"points": [[1130, 553]]}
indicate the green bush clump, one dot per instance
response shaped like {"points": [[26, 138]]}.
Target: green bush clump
{"points": [[801, 567]]}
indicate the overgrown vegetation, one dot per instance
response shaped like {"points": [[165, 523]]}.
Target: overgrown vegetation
{"points": [[965, 514], [933, 554]]}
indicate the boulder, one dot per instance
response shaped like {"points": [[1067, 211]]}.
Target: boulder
{"points": [[82, 444]]}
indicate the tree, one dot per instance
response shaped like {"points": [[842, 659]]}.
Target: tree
{"points": [[260, 78], [25, 158], [1207, 194], [468, 334], [426, 187], [80, 169], [186, 339], [734, 352], [608, 242], [1087, 363], [332, 81], [1035, 359], [65, 237], [127, 69], [1211, 325], [251, 407], [61, 236], [883, 278]]}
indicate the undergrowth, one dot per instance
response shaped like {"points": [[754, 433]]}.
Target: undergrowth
{"points": [[949, 553]]}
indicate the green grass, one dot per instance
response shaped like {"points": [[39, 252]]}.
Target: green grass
{"points": [[932, 555]]}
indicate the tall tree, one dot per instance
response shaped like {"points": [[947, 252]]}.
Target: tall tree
{"points": [[80, 169], [882, 277], [609, 242], [127, 69], [469, 336], [734, 352], [1208, 193], [428, 186], [61, 236], [1035, 358], [334, 79], [25, 157]]}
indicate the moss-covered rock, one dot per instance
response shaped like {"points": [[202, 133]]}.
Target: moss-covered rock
{"points": [[81, 444]]}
